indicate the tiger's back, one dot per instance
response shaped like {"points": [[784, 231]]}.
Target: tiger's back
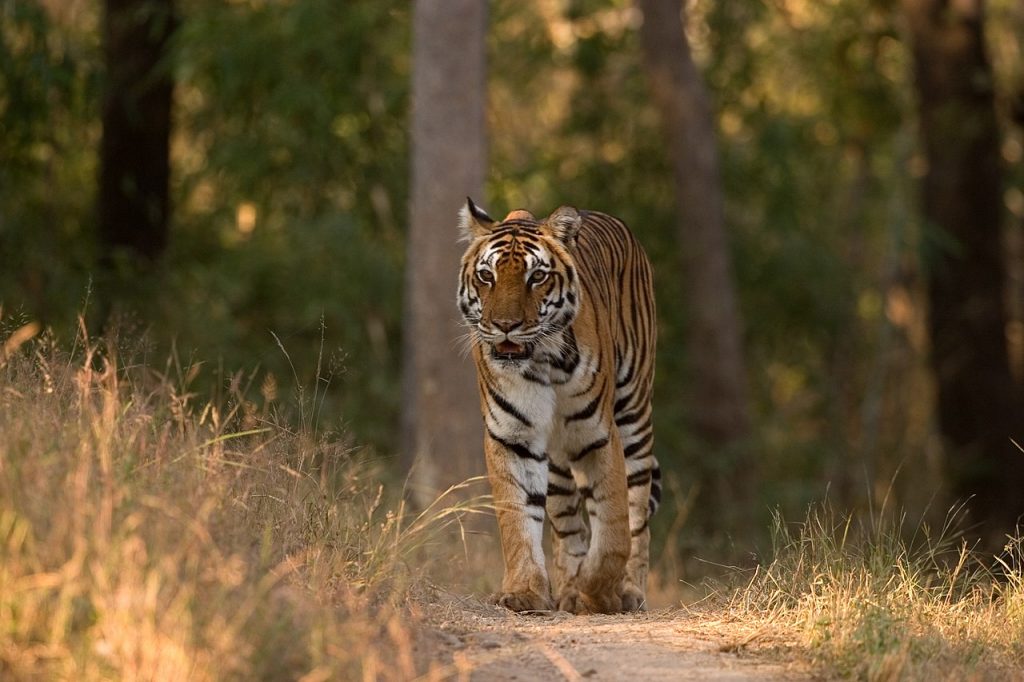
{"points": [[617, 273], [564, 322]]}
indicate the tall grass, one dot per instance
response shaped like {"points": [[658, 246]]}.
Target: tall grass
{"points": [[146, 533], [867, 603]]}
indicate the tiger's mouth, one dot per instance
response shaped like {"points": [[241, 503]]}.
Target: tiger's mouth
{"points": [[509, 350]]}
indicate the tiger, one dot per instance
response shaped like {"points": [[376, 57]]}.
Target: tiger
{"points": [[561, 323]]}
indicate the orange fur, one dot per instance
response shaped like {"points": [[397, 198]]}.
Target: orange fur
{"points": [[562, 313]]}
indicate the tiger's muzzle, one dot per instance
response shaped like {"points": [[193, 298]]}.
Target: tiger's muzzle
{"points": [[511, 351]]}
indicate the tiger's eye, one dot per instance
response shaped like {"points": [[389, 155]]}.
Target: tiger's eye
{"points": [[538, 277], [485, 276]]}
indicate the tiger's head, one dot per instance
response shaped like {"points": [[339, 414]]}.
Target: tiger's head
{"points": [[518, 284]]}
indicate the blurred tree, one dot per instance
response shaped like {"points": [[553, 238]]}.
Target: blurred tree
{"points": [[133, 200], [441, 421], [979, 404], [721, 412], [290, 161], [290, 158], [49, 58]]}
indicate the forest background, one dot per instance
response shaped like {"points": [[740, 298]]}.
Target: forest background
{"points": [[858, 176]]}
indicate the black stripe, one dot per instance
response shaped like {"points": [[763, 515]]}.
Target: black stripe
{"points": [[507, 407], [629, 376], [621, 403], [597, 444], [629, 418], [559, 491], [655, 499], [536, 499], [535, 378], [517, 224], [518, 448], [590, 385], [622, 288], [639, 478], [641, 529], [634, 311], [639, 445], [587, 492], [570, 357], [587, 412], [554, 468], [565, 513]]}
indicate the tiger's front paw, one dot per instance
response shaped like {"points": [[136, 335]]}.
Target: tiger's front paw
{"points": [[574, 601], [524, 601], [571, 601], [604, 602], [632, 598]]}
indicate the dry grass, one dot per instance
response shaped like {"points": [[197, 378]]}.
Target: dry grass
{"points": [[146, 534], [867, 604]]}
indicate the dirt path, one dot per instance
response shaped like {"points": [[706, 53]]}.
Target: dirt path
{"points": [[480, 642]]}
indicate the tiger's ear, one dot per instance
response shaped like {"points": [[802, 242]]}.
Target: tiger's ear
{"points": [[564, 223], [473, 222]]}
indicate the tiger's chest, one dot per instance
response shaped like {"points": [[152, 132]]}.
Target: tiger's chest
{"points": [[546, 399]]}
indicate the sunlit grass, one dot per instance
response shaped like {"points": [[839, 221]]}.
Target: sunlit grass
{"points": [[868, 604], [146, 533]]}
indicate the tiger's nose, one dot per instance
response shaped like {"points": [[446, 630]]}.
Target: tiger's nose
{"points": [[507, 325]]}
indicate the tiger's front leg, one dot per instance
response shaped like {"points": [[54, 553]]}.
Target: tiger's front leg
{"points": [[519, 479], [599, 473], [570, 536]]}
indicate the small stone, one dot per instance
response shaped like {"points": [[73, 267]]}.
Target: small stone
{"points": [[451, 640]]}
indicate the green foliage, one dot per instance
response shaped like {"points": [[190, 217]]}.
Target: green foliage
{"points": [[290, 187], [301, 111], [49, 133], [289, 190]]}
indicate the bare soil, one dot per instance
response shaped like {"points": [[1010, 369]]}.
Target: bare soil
{"points": [[466, 639]]}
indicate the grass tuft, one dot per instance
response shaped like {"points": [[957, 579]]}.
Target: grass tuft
{"points": [[145, 533], [869, 604]]}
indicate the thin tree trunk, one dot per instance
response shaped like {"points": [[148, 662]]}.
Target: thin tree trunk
{"points": [[979, 404], [133, 202], [721, 405], [442, 433]]}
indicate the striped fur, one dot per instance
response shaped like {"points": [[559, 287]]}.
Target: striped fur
{"points": [[562, 326]]}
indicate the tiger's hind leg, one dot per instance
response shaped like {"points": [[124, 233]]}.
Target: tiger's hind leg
{"points": [[570, 535], [644, 484], [598, 470]]}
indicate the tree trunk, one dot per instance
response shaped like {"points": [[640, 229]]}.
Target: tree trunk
{"points": [[979, 404], [442, 432], [135, 152], [721, 405]]}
